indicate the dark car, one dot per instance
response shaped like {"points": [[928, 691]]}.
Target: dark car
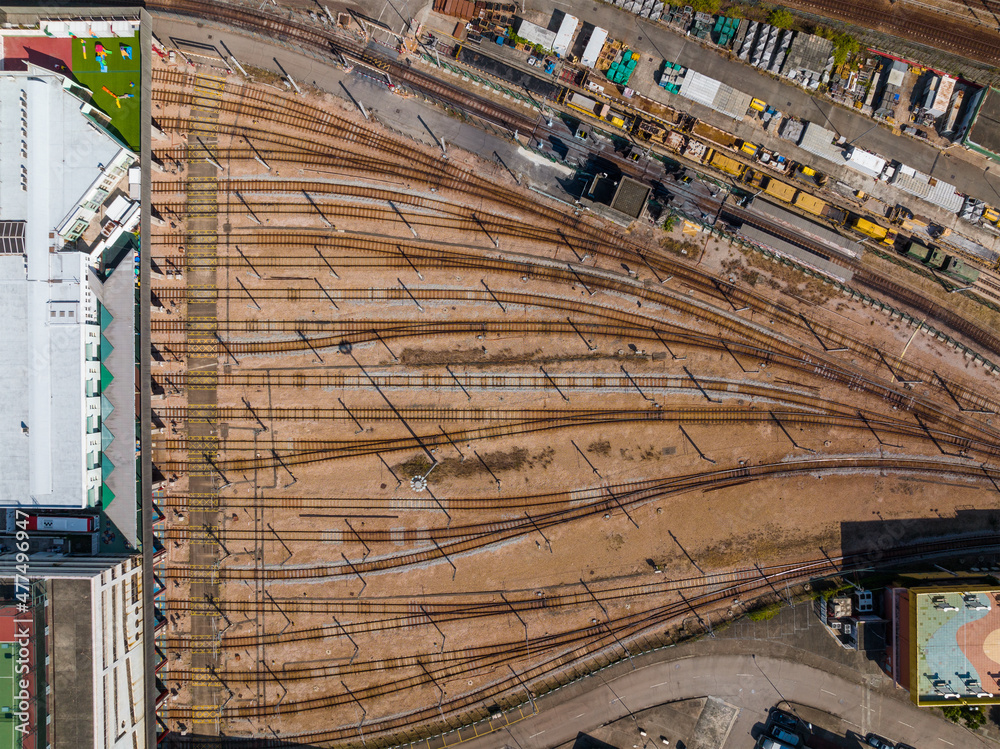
{"points": [[876, 741], [786, 737], [785, 720]]}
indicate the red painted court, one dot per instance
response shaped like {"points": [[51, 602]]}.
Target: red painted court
{"points": [[41, 50]]}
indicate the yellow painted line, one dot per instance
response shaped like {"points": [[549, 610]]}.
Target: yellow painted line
{"points": [[912, 336]]}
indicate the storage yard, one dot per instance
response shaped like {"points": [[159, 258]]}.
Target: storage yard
{"points": [[431, 443]]}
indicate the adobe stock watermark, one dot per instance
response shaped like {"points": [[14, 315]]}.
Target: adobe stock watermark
{"points": [[23, 628]]}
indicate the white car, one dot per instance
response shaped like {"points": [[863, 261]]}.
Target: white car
{"points": [[532, 61], [769, 743]]}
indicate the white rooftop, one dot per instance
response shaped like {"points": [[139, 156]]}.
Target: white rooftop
{"points": [[565, 34], [43, 304], [934, 191], [700, 88], [864, 162], [536, 34], [819, 142], [593, 49]]}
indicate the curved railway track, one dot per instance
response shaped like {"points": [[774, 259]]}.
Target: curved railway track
{"points": [[498, 531], [242, 18], [542, 269], [562, 648], [585, 640]]}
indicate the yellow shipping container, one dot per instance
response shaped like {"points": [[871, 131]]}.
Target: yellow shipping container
{"points": [[748, 148], [758, 105], [780, 190], [991, 215], [872, 230], [617, 121], [808, 171], [726, 164], [810, 203]]}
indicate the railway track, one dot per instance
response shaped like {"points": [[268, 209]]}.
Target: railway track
{"points": [[557, 652], [535, 268], [619, 630], [932, 30], [312, 36], [760, 347], [665, 266], [498, 531]]}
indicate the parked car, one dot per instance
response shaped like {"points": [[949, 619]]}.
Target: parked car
{"points": [[785, 720], [768, 743], [785, 736], [876, 741], [532, 61]]}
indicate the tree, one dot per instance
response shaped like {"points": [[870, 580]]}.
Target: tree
{"points": [[971, 715], [706, 6], [670, 223], [781, 18], [844, 45]]}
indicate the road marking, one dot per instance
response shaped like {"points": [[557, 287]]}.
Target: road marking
{"points": [[743, 674], [662, 683], [906, 724], [947, 742], [536, 734], [828, 692], [579, 716]]}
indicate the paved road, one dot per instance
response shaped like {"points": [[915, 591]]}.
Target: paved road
{"points": [[959, 167], [751, 684]]}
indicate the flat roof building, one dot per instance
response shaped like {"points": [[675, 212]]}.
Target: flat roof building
{"points": [[565, 33], [67, 346], [86, 663], [864, 161], [50, 341], [945, 643], [535, 34], [939, 91], [983, 135], [630, 197], [594, 46]]}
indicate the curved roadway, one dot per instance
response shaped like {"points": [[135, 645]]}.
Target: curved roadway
{"points": [[750, 683]]}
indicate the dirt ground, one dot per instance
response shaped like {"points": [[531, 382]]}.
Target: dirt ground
{"points": [[483, 488]]}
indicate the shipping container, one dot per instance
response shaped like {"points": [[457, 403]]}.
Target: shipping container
{"points": [[869, 229], [582, 103], [778, 189], [918, 252], [725, 164], [959, 270]]}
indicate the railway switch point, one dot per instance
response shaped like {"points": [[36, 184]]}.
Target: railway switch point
{"points": [[249, 333]]}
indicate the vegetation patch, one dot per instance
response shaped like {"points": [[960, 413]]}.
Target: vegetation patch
{"points": [[764, 613]]}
